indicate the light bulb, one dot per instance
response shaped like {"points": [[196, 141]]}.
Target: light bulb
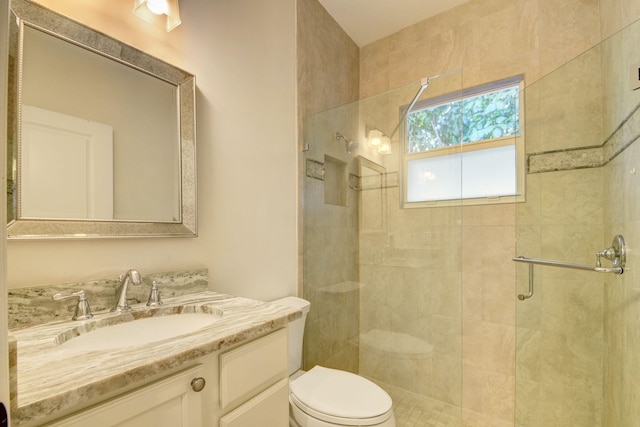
{"points": [[158, 7], [375, 137], [385, 145]]}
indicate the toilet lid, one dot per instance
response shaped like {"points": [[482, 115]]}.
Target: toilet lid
{"points": [[340, 394]]}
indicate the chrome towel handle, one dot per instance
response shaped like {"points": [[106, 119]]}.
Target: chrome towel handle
{"points": [[617, 254]]}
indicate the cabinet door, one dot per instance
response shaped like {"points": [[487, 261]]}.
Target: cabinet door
{"points": [[169, 402], [269, 408], [251, 368]]}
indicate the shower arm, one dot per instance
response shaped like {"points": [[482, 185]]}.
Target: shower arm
{"points": [[423, 86], [424, 83]]}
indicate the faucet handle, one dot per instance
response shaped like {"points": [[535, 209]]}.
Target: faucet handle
{"points": [[154, 296], [83, 311]]}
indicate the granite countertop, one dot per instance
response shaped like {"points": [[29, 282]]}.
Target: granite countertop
{"points": [[51, 378]]}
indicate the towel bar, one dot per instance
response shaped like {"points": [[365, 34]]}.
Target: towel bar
{"points": [[617, 254]]}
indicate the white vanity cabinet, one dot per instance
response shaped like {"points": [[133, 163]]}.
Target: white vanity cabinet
{"points": [[168, 402], [246, 386]]}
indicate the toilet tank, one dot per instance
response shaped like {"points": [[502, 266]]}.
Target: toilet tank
{"points": [[296, 330]]}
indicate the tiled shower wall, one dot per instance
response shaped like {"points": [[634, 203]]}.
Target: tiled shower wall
{"points": [[488, 40], [622, 215], [621, 302], [471, 305], [327, 77]]}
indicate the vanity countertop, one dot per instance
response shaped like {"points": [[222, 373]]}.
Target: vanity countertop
{"points": [[52, 379]]}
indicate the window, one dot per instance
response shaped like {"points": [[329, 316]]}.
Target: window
{"points": [[466, 146]]}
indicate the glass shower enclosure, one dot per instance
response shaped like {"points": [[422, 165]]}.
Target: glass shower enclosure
{"points": [[424, 301], [384, 282], [576, 346]]}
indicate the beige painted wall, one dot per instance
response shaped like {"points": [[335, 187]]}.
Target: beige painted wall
{"points": [[243, 56]]}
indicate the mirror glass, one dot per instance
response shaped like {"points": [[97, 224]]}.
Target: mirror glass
{"points": [[101, 136]]}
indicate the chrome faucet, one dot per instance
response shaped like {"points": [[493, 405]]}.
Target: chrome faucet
{"points": [[131, 276], [82, 310]]}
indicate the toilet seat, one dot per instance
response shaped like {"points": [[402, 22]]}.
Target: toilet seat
{"points": [[340, 397]]}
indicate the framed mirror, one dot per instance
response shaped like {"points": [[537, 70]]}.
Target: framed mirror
{"points": [[101, 135]]}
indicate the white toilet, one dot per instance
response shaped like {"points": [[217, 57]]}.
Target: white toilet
{"points": [[324, 397]]}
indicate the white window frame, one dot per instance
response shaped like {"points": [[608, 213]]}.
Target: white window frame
{"points": [[517, 140]]}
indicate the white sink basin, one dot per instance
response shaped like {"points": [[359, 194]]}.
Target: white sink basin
{"points": [[141, 331]]}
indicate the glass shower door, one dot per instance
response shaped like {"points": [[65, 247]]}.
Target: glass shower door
{"points": [[574, 360], [384, 280]]}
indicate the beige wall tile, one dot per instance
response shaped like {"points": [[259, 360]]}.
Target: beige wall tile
{"points": [[489, 346], [472, 296], [498, 299], [328, 74], [374, 68], [447, 379], [491, 394], [445, 335], [567, 28], [630, 11], [328, 61], [616, 14], [572, 197], [610, 17]]}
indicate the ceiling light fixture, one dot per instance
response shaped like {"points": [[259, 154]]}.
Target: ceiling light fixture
{"points": [[163, 13]]}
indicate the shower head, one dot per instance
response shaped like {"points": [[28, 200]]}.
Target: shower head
{"points": [[350, 144]]}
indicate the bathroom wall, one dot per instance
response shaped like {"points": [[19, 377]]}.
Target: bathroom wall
{"points": [[617, 14], [327, 78], [489, 40], [622, 212], [4, 350], [576, 341], [621, 302], [243, 55]]}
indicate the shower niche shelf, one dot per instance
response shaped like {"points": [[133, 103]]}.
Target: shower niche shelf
{"points": [[336, 182]]}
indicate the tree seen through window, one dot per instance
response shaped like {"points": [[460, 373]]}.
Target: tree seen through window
{"points": [[468, 119]]}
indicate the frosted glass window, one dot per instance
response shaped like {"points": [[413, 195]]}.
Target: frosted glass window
{"points": [[482, 173], [434, 178]]}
